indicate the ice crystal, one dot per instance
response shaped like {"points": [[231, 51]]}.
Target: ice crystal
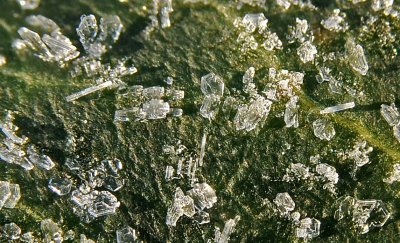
{"points": [[60, 186], [299, 32], [284, 202], [307, 52], [291, 113], [394, 176], [390, 114], [368, 214], [248, 116], [203, 195], [360, 153], [11, 231], [323, 129], [51, 230], [327, 172], [29, 4], [14, 196], [308, 228], [126, 235], [356, 57], [335, 22], [182, 205], [337, 108], [227, 231]]}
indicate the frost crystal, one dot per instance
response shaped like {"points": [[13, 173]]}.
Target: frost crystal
{"points": [[337, 108], [182, 205], [40, 160], [29, 4], [335, 22], [211, 84], [394, 176], [155, 109], [368, 214], [15, 195], [5, 192], [51, 230], [27, 237], [227, 231], [285, 4], [391, 114], [296, 172], [11, 231], [210, 106], [360, 153], [298, 32], [323, 129], [308, 228], [307, 52], [378, 5], [60, 186], [291, 113], [284, 202], [203, 195], [248, 116], [126, 235], [356, 57]]}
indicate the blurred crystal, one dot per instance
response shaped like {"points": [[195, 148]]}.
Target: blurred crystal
{"points": [[378, 5], [323, 129], [176, 112], [27, 238], [103, 203], [69, 235], [126, 235], [111, 28], [3, 60], [308, 228], [360, 153], [284, 202], [285, 4], [298, 32], [249, 86], [11, 231], [202, 217], [29, 4], [84, 239], [390, 114], [337, 108], [210, 106], [169, 80], [328, 172], [272, 42], [211, 84], [356, 57], [5, 192], [60, 186], [51, 230], [291, 112], [203, 195], [89, 90], [307, 52], [334, 22], [15, 195], [252, 21], [394, 176], [156, 109], [296, 171], [169, 172], [248, 116], [40, 160], [182, 205], [227, 231]]}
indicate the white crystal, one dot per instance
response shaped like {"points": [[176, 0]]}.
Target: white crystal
{"points": [[378, 5], [154, 92], [156, 109], [333, 23], [337, 108], [60, 186], [15, 195], [328, 172], [203, 195], [5, 192], [11, 231], [40, 160], [285, 4], [32, 39], [202, 149], [253, 21], [284, 202], [29, 4], [308, 228], [291, 116], [360, 153], [89, 90], [248, 116], [51, 230], [307, 52], [298, 32], [182, 205], [209, 107], [211, 84], [272, 42], [391, 114], [356, 57], [126, 235], [169, 172], [42, 22], [27, 237], [394, 176], [323, 129], [369, 213]]}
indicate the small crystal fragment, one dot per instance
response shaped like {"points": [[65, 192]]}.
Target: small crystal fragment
{"points": [[89, 91], [182, 205], [11, 231], [391, 114], [323, 129], [284, 202], [394, 176], [14, 197], [296, 171], [307, 52], [285, 4], [337, 108], [202, 149], [203, 195], [211, 84], [60, 186], [248, 116], [291, 113], [356, 57], [29, 4], [308, 228], [103, 203], [227, 231], [126, 235]]}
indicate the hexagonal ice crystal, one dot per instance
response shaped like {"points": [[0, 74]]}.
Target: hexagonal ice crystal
{"points": [[323, 129], [203, 195], [60, 186], [211, 84]]}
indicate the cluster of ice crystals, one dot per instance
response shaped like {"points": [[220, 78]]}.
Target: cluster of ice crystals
{"points": [[223, 237], [84, 239], [296, 171], [29, 4], [337, 108], [335, 22], [299, 32], [307, 52], [254, 29], [160, 16], [248, 116], [360, 153], [126, 235], [27, 237], [249, 86], [285, 4], [378, 5], [394, 176], [283, 83], [53, 46], [356, 57], [182, 205], [324, 75], [51, 231], [284, 203], [11, 231], [60, 186], [308, 228], [97, 39], [291, 116], [323, 129], [212, 87]]}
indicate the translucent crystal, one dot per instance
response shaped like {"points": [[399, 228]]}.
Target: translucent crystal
{"points": [[272, 42], [291, 113], [252, 21], [249, 75], [307, 52], [391, 114], [11, 231], [296, 171], [202, 217], [360, 153], [169, 172], [89, 90], [328, 172], [298, 32], [356, 57], [32, 39], [209, 107], [337, 108], [164, 18], [126, 235], [202, 149], [176, 112], [27, 237], [113, 183], [211, 84], [203, 195], [284, 202], [344, 206], [103, 203], [29, 4], [169, 80], [156, 109], [378, 5], [69, 235], [182, 205], [155, 92], [42, 22], [60, 186], [368, 214], [3, 60], [87, 29], [60, 47], [394, 176], [51, 230], [334, 22], [323, 129], [8, 130], [248, 116], [308, 228], [227, 231], [15, 195], [111, 28], [5, 192], [40, 160]]}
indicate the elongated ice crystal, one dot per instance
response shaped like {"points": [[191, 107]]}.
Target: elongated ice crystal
{"points": [[356, 57], [227, 231], [89, 90], [291, 116], [337, 108]]}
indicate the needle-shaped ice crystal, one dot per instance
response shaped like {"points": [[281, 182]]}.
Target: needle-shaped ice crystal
{"points": [[337, 108], [89, 90], [227, 231], [391, 114]]}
